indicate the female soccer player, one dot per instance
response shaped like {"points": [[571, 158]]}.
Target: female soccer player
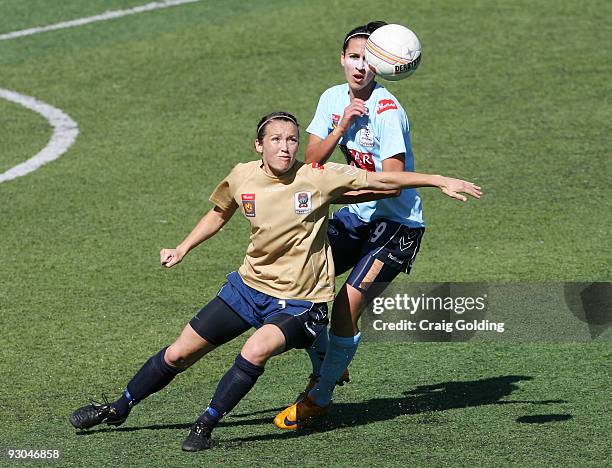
{"points": [[281, 288], [378, 239]]}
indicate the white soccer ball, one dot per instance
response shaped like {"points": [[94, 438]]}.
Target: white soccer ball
{"points": [[393, 52]]}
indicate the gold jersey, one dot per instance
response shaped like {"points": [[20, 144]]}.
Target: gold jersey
{"points": [[289, 255]]}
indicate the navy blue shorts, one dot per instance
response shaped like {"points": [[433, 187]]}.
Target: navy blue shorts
{"points": [[377, 251], [257, 309]]}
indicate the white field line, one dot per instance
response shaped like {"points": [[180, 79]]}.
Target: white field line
{"points": [[65, 131], [92, 19]]}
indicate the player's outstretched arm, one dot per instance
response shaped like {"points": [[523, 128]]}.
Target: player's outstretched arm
{"points": [[392, 164], [208, 226], [449, 186], [360, 196]]}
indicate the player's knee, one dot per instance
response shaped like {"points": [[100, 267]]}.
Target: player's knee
{"points": [[257, 352], [179, 357]]}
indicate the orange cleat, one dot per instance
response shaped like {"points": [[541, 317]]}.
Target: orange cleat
{"points": [[299, 413], [344, 378]]}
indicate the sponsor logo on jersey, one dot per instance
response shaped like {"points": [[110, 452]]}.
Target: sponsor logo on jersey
{"points": [[303, 202], [366, 138], [384, 105], [248, 204], [359, 159], [335, 120]]}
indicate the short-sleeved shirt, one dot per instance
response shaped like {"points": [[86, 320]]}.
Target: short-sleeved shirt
{"points": [[372, 138], [289, 255]]}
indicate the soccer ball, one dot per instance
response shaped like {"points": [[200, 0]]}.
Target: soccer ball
{"points": [[393, 52]]}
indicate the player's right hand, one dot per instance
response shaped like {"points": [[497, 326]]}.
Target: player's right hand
{"points": [[354, 110], [170, 257]]}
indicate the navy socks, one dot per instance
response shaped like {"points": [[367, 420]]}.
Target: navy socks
{"points": [[154, 375], [232, 388]]}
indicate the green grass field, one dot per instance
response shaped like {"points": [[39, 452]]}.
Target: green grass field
{"points": [[515, 96]]}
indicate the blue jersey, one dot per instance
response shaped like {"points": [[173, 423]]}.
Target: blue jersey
{"points": [[372, 138]]}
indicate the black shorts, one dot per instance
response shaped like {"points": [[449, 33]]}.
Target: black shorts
{"points": [[377, 251]]}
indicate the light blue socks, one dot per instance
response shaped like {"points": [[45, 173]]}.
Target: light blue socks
{"points": [[340, 352], [317, 352]]}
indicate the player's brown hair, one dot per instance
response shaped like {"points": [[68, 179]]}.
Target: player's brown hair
{"points": [[266, 119]]}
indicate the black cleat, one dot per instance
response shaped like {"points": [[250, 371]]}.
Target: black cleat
{"points": [[94, 414], [198, 438]]}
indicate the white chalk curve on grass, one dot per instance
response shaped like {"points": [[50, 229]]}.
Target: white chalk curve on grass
{"points": [[92, 19], [65, 131]]}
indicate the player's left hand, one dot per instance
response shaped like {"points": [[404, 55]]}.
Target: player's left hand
{"points": [[455, 187]]}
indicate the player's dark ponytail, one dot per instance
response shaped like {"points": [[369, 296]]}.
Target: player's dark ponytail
{"points": [[364, 30]]}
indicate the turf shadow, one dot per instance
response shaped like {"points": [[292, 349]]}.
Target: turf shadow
{"points": [[134, 428], [423, 399], [543, 418]]}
